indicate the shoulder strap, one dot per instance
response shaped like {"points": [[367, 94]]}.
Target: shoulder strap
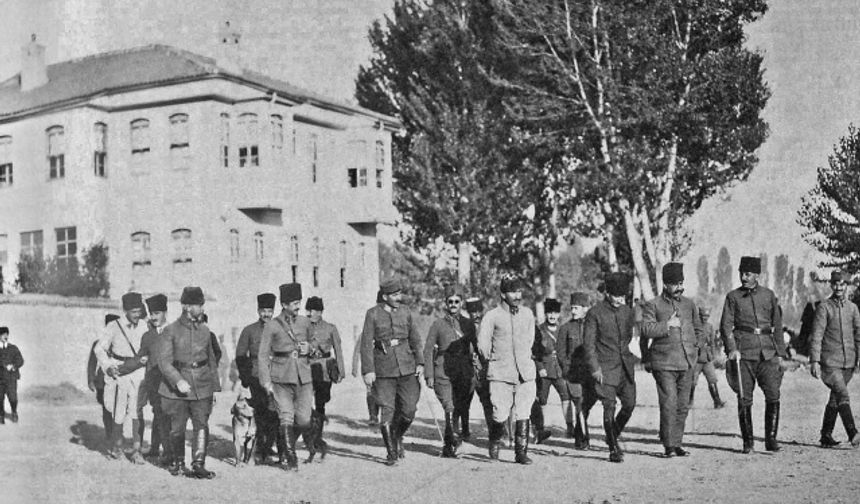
{"points": [[133, 350], [285, 327]]}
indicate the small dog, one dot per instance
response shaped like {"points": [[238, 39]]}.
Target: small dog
{"points": [[244, 427]]}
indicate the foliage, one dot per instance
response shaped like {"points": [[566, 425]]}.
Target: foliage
{"points": [[66, 278]]}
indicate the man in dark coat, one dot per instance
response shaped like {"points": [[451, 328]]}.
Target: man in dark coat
{"points": [[10, 363], [327, 367], [550, 370], [672, 323], [157, 307], [189, 371], [751, 326], [392, 358], [575, 370], [834, 357], [608, 332], [475, 309]]}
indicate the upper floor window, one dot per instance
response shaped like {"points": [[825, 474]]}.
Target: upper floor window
{"points": [[342, 253], [179, 141], [277, 124], [99, 149], [67, 246], [259, 253], [181, 245], [31, 243], [315, 256], [362, 255], [56, 152], [4, 250], [357, 175], [141, 249], [5, 161], [140, 137], [379, 162], [313, 153], [294, 257], [234, 245], [225, 140], [249, 153]]}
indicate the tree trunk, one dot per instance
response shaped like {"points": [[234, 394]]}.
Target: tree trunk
{"points": [[464, 263], [637, 253]]}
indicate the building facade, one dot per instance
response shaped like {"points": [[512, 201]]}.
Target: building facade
{"points": [[193, 172]]}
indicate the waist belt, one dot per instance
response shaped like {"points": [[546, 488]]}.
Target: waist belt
{"points": [[190, 365], [294, 354], [322, 355], [755, 330]]}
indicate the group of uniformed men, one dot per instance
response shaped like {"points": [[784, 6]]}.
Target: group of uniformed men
{"points": [[290, 361]]}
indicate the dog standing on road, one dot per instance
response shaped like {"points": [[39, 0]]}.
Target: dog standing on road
{"points": [[244, 427]]}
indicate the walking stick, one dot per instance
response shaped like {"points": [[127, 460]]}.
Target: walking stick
{"points": [[433, 414], [740, 381]]}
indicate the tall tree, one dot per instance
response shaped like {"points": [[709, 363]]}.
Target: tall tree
{"points": [[655, 106], [703, 274], [723, 276], [830, 212]]}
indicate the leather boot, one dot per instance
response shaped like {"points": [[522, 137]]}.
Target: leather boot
{"points": [[319, 442], [745, 421], [465, 431], [388, 440], [848, 421], [610, 429], [567, 413], [177, 451], [827, 425], [199, 446], [107, 421], [402, 427], [715, 395], [449, 448], [537, 419], [372, 410], [290, 461], [137, 426], [455, 428], [495, 430], [621, 420], [771, 426], [521, 443], [154, 437]]}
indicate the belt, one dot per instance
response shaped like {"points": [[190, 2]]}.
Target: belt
{"points": [[190, 365], [755, 330], [293, 354]]}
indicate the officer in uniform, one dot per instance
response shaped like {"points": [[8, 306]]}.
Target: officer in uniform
{"points": [[475, 309], [118, 354], [751, 326], [285, 372], [834, 357], [448, 353], [705, 362], [189, 372], [10, 362], [549, 368], [326, 366], [575, 370], [672, 323], [505, 340], [607, 335], [157, 306], [247, 364], [393, 361]]}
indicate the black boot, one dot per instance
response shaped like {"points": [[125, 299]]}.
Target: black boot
{"points": [[449, 448], [199, 445], [537, 419], [715, 395], [281, 445], [465, 431], [745, 421], [771, 426], [388, 440], [621, 420], [610, 429], [154, 437], [177, 452], [321, 445], [848, 421], [372, 410], [827, 425], [402, 427], [521, 443], [495, 431], [290, 461]]}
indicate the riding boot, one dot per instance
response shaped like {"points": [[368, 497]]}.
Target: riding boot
{"points": [[586, 437], [388, 440], [621, 420], [495, 432], [567, 412], [848, 421], [537, 420], [200, 442], [715, 395], [745, 420], [827, 425], [290, 435], [465, 431], [177, 452], [154, 437], [521, 443], [771, 426], [372, 410], [281, 445], [402, 427], [610, 429], [449, 448], [320, 444], [455, 428], [136, 440]]}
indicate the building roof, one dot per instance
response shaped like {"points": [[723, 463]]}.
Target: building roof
{"points": [[77, 81]]}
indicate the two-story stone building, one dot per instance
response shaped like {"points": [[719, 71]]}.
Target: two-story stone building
{"points": [[193, 172]]}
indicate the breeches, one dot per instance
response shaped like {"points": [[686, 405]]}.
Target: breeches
{"points": [[837, 380], [766, 373], [453, 394], [624, 392], [397, 397], [180, 410], [559, 384], [293, 403], [707, 368], [520, 396]]}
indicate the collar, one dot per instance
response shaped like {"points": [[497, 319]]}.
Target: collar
{"points": [[287, 317], [840, 302], [513, 310]]}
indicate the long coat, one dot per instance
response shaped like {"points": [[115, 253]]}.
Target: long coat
{"points": [[546, 351], [608, 331], [184, 342], [11, 355], [572, 352], [672, 350], [451, 339]]}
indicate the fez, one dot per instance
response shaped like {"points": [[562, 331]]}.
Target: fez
{"points": [[290, 292], [617, 284], [510, 284], [5, 330], [266, 300], [192, 296], [579, 299], [390, 286], [673, 273], [836, 276], [750, 265], [157, 303], [474, 305], [551, 305], [131, 300], [314, 303]]}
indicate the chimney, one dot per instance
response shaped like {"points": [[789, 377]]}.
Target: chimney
{"points": [[34, 73], [228, 55]]}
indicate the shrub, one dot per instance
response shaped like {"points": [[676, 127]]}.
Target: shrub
{"points": [[66, 278]]}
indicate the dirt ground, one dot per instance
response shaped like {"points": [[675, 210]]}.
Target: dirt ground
{"points": [[54, 455]]}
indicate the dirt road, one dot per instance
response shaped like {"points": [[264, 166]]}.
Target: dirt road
{"points": [[53, 455]]}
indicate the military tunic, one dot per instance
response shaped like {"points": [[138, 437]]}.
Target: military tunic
{"points": [[607, 334], [834, 343], [548, 358], [448, 352], [326, 354], [285, 367]]}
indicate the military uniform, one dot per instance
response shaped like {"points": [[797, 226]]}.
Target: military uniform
{"points": [[673, 354], [186, 356], [160, 431], [580, 384], [834, 346], [327, 367], [751, 324], [705, 363], [10, 364], [548, 362]]}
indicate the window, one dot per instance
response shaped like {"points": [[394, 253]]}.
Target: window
{"points": [[141, 249], [357, 176], [248, 149], [179, 149], [315, 256], [31, 243], [294, 257], [139, 137], [181, 245], [4, 249], [67, 246], [99, 149], [5, 161], [225, 141], [313, 153], [380, 162], [342, 254], [56, 152], [294, 141], [277, 123], [362, 255], [234, 245], [258, 246]]}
